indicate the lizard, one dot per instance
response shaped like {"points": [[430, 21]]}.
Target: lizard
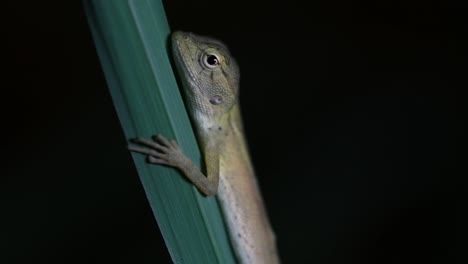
{"points": [[210, 82]]}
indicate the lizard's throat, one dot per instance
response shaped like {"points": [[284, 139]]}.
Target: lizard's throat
{"points": [[209, 127]]}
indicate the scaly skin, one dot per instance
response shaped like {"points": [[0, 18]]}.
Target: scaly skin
{"points": [[210, 79]]}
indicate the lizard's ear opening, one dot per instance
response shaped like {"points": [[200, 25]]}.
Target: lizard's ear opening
{"points": [[216, 100]]}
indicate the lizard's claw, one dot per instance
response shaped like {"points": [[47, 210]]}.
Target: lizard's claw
{"points": [[159, 150]]}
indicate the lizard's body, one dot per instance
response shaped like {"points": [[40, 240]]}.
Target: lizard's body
{"points": [[241, 202], [210, 79]]}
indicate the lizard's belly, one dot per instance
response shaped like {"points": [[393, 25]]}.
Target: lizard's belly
{"points": [[250, 231]]}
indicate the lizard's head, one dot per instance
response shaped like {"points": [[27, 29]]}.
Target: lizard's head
{"points": [[209, 74]]}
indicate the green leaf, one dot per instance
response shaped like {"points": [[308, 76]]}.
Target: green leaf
{"points": [[132, 39]]}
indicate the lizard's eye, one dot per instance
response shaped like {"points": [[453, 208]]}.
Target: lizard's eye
{"points": [[211, 61]]}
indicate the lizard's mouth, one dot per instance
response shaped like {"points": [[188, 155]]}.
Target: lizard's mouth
{"points": [[182, 53]]}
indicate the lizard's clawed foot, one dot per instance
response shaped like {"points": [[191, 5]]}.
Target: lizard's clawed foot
{"points": [[159, 150]]}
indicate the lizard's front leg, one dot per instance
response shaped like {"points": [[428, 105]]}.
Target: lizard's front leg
{"points": [[160, 151], [167, 152]]}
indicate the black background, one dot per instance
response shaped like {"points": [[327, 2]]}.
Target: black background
{"points": [[350, 109]]}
